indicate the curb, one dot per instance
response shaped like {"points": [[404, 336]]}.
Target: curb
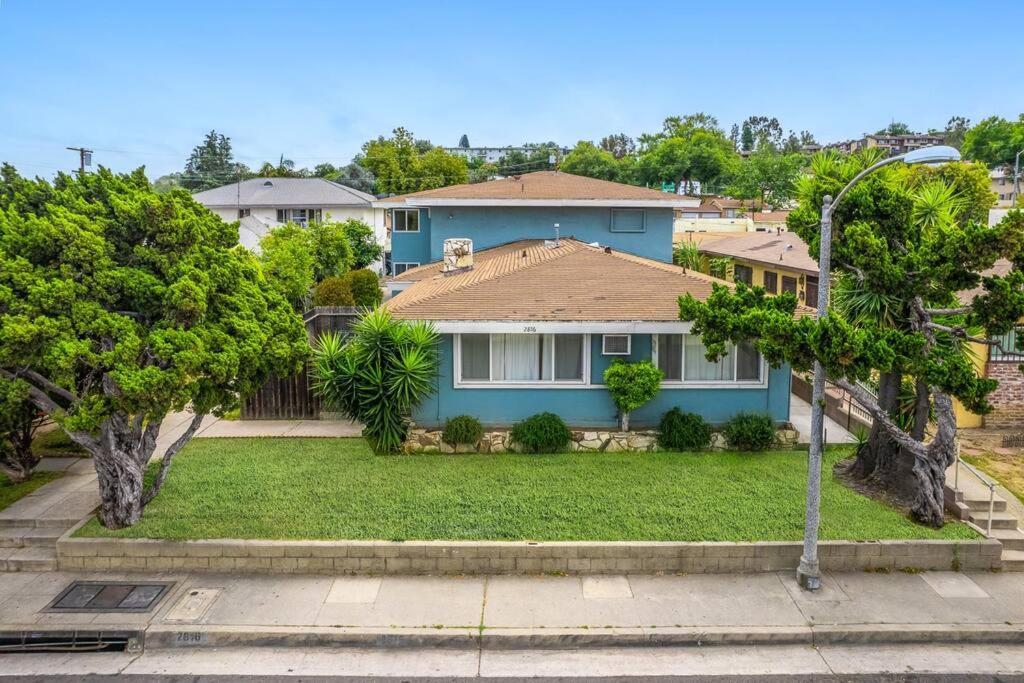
{"points": [[168, 636]]}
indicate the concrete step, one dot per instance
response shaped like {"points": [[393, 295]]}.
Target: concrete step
{"points": [[1000, 520], [29, 560], [1013, 560], [20, 537], [981, 505], [1012, 539]]}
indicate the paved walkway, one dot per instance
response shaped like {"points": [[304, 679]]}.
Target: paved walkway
{"points": [[543, 625], [543, 604], [800, 417]]}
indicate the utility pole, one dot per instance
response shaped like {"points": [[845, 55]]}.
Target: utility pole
{"points": [[84, 157]]}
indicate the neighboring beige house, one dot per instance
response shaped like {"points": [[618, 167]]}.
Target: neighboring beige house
{"points": [[892, 144], [259, 204], [1001, 182], [723, 214]]}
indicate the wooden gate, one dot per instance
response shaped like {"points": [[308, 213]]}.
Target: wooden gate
{"points": [[292, 398]]}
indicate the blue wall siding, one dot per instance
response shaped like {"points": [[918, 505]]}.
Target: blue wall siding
{"points": [[413, 247], [594, 407], [491, 226]]}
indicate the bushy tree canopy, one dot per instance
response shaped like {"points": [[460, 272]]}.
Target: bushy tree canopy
{"points": [[912, 239], [118, 305], [403, 164]]}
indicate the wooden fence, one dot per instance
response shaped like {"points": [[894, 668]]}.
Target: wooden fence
{"points": [[292, 398]]}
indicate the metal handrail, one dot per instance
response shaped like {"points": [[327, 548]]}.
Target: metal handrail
{"points": [[988, 484]]}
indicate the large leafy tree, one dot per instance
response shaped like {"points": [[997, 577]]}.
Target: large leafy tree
{"points": [[403, 164], [586, 159], [118, 305], [994, 141], [768, 177], [906, 241], [210, 164]]}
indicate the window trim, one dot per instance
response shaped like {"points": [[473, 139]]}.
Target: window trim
{"points": [[709, 383], [643, 220], [394, 229], [459, 383], [604, 345], [409, 265]]}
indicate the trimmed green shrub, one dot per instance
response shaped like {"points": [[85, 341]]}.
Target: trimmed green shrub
{"points": [[681, 431], [462, 429], [750, 432], [365, 287], [631, 385], [334, 291], [542, 433]]}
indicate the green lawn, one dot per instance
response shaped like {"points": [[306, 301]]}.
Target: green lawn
{"points": [[338, 489], [10, 492]]}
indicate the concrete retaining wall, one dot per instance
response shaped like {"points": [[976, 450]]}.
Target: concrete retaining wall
{"points": [[476, 557]]}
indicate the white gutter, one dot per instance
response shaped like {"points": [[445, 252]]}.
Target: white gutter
{"points": [[562, 326], [681, 203]]}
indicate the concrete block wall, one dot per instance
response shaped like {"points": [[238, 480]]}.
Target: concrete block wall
{"points": [[495, 557]]}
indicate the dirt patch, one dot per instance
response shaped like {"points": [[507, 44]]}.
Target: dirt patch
{"points": [[872, 489]]}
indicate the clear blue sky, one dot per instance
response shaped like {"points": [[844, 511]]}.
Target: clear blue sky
{"points": [[141, 82]]}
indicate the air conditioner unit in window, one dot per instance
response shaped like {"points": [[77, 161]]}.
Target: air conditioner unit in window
{"points": [[615, 344]]}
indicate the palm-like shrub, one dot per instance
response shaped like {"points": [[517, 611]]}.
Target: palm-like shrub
{"points": [[687, 255], [383, 370]]}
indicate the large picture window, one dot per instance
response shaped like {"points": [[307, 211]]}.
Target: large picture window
{"points": [[522, 358], [681, 358]]}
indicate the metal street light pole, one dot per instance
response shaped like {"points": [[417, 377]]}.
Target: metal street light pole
{"points": [[808, 573]]}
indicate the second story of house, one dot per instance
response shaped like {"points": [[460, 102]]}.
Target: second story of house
{"points": [[259, 204], [1001, 182], [541, 205]]}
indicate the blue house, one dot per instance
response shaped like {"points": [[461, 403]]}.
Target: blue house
{"points": [[531, 206], [531, 325]]}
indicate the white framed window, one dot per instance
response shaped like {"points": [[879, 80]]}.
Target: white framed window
{"points": [[299, 216], [522, 360], [399, 268], [681, 359], [405, 220], [615, 344]]}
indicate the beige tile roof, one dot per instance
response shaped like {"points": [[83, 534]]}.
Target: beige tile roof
{"points": [[767, 248], [531, 280], [1002, 267], [540, 185]]}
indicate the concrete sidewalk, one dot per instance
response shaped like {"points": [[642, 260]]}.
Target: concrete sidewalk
{"points": [[545, 611]]}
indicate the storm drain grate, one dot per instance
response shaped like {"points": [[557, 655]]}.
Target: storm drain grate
{"points": [[69, 641], [110, 596]]}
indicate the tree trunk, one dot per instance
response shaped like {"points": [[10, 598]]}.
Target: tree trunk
{"points": [[119, 476], [922, 409], [624, 420], [930, 468], [877, 454], [15, 470]]}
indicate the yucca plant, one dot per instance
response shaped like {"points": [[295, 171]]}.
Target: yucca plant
{"points": [[687, 255], [378, 374]]}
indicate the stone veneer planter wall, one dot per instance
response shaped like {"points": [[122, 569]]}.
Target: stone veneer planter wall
{"points": [[641, 441], [496, 557]]}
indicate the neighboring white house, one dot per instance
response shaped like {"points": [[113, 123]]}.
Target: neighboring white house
{"points": [[259, 204], [492, 155]]}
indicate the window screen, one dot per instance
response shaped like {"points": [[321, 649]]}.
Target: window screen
{"points": [[670, 356], [771, 282], [627, 220], [476, 357]]}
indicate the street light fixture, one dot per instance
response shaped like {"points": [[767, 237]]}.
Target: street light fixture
{"points": [[808, 573]]}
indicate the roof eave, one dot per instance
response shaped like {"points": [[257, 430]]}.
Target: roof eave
{"points": [[611, 203]]}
